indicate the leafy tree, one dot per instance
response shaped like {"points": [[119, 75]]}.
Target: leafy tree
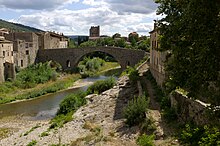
{"points": [[191, 31], [117, 35], [144, 44], [120, 42], [88, 44]]}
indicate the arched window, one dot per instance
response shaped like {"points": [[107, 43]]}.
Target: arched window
{"points": [[68, 63]]}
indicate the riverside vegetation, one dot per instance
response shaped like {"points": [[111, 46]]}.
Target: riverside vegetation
{"points": [[74, 101], [40, 79]]}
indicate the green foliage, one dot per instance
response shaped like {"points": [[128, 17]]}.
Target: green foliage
{"points": [[60, 120], [145, 140], [191, 30], [133, 75], [88, 44], [43, 134], [164, 101], [135, 111], [71, 44], [89, 67], [144, 45], [200, 136], [71, 103], [35, 74], [101, 85], [32, 143], [32, 129]]}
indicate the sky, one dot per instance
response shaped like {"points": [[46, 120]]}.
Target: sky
{"points": [[75, 17]]}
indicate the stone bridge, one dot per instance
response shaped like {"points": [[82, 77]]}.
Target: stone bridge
{"points": [[70, 57]]}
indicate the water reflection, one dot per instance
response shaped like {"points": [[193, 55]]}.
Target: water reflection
{"points": [[41, 108]]}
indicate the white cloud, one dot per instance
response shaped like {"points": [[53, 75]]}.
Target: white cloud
{"points": [[79, 22], [35, 4]]}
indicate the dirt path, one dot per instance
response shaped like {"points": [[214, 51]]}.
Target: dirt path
{"points": [[163, 132]]}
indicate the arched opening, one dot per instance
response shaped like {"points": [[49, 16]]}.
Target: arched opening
{"points": [[96, 62], [68, 65], [128, 63]]}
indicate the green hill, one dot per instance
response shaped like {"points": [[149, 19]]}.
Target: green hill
{"points": [[17, 27]]}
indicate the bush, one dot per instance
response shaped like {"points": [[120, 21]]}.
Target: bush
{"points": [[135, 111], [132, 74], [200, 136], [61, 119], [101, 85], [145, 140], [32, 143], [71, 103]]}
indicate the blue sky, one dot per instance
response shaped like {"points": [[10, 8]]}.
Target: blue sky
{"points": [[75, 17]]}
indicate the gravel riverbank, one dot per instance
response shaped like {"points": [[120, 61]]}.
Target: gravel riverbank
{"points": [[99, 122]]}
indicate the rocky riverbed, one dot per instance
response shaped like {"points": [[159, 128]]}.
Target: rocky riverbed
{"points": [[99, 122]]}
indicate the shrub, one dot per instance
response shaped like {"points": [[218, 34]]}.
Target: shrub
{"points": [[145, 140], [135, 111], [71, 103], [32, 143], [101, 85], [202, 136], [60, 119]]}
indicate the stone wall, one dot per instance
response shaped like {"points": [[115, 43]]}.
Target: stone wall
{"points": [[69, 58], [190, 110]]}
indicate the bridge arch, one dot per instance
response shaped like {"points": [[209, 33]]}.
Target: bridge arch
{"points": [[70, 57]]}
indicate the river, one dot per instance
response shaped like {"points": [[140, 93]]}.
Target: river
{"points": [[44, 107]]}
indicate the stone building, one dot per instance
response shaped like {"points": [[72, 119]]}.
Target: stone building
{"points": [[7, 69], [25, 46], [157, 58], [52, 40], [94, 31]]}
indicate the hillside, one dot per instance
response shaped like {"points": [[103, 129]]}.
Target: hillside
{"points": [[17, 27]]}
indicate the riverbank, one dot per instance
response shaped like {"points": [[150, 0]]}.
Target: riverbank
{"points": [[65, 81], [100, 122]]}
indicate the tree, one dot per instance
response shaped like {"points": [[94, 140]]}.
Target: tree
{"points": [[120, 42], [88, 44], [144, 45], [117, 35], [191, 31]]}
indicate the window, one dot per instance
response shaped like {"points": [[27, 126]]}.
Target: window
{"points": [[68, 63], [4, 53], [2, 45], [12, 53], [30, 45], [8, 53], [27, 52], [22, 63], [26, 45]]}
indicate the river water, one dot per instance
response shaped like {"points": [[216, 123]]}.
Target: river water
{"points": [[44, 107]]}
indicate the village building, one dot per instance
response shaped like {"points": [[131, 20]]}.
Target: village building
{"points": [[157, 58], [25, 46], [7, 69], [52, 40]]}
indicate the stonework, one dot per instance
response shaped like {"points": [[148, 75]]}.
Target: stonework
{"points": [[25, 48], [125, 57], [51, 40], [6, 60], [157, 58], [94, 31], [189, 110]]}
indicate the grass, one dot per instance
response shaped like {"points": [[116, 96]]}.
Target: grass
{"points": [[32, 129], [39, 90], [32, 143], [5, 132]]}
